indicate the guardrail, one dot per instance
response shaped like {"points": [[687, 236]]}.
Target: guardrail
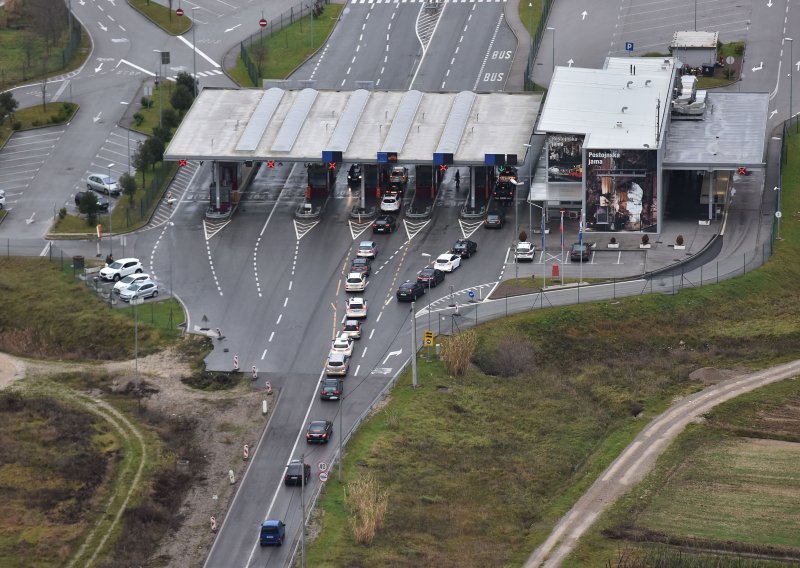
{"points": [[307, 212], [367, 214]]}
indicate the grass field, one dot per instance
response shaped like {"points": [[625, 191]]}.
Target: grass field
{"points": [[44, 313], [729, 483], [289, 47], [478, 471], [33, 117], [165, 18]]}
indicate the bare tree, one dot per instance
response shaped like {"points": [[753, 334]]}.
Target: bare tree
{"points": [[49, 19]]}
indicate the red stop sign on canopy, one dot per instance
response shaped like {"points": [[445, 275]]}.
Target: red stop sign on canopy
{"points": [[262, 22], [179, 11]]}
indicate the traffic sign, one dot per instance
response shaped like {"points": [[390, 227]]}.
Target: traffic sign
{"points": [[179, 11], [322, 466], [730, 60], [262, 22], [323, 476], [428, 337], [628, 46], [778, 214], [471, 295]]}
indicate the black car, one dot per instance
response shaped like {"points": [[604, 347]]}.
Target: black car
{"points": [[580, 252], [409, 291], [102, 202], [332, 388], [430, 277], [494, 220], [465, 248], [384, 224], [297, 473], [354, 175], [319, 431], [361, 264]]}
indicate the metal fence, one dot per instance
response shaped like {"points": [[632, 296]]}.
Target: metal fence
{"points": [[285, 19]]}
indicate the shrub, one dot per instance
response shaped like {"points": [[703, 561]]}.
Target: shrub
{"points": [[613, 240], [36, 123], [457, 352], [645, 239], [146, 102], [367, 504], [17, 125], [511, 356], [138, 119], [523, 236], [62, 212], [679, 240]]}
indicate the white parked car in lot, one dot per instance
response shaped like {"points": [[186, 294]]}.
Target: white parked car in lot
{"points": [[103, 183], [390, 203], [447, 262], [356, 308], [143, 289], [356, 282], [121, 268], [343, 344], [524, 251], [130, 279]]}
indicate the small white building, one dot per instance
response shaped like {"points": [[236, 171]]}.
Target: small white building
{"points": [[695, 49]]}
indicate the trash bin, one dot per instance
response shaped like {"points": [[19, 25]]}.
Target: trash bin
{"points": [[708, 70], [78, 262]]}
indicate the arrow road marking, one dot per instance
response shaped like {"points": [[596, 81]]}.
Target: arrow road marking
{"points": [[30, 220], [584, 13], [391, 354], [97, 118], [759, 68], [97, 69], [102, 27], [570, 62], [769, 4], [233, 28], [773, 113]]}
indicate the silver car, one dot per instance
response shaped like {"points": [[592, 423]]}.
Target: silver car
{"points": [[103, 183], [338, 364], [144, 289]]}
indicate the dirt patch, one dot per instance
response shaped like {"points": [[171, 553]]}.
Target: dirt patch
{"points": [[509, 290], [711, 376], [226, 420]]}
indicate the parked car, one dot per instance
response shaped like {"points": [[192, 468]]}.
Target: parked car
{"points": [[103, 183], [390, 203], [384, 224], [494, 220], [356, 282], [354, 176], [465, 248], [524, 251], [2, 199], [338, 364], [319, 431], [361, 264], [447, 262], [367, 249], [343, 344], [352, 328], [297, 473], [130, 279], [120, 269], [332, 389], [356, 308], [580, 252], [102, 202], [273, 532], [430, 277], [143, 289], [409, 291]]}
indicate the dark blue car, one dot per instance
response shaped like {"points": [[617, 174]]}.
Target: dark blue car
{"points": [[272, 533]]}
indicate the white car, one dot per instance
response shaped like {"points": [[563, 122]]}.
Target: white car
{"points": [[356, 282], [447, 262], [143, 289], [356, 308], [130, 279], [390, 203], [121, 268], [343, 344], [524, 251], [103, 183]]}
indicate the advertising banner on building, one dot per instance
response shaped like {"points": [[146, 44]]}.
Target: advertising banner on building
{"points": [[564, 157], [621, 192]]}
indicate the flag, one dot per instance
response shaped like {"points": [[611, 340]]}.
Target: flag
{"points": [[562, 230], [543, 229], [580, 229]]}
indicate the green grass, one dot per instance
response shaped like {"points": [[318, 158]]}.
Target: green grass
{"points": [[152, 115], [291, 46], [165, 315], [46, 314], [479, 474], [530, 15], [163, 17], [15, 45], [36, 116]]}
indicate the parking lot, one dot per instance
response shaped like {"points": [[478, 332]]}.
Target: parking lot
{"points": [[22, 158]]}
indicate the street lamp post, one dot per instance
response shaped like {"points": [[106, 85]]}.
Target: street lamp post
{"points": [[194, 51], [413, 346], [110, 226], [791, 77], [426, 255], [554, 48], [530, 185]]}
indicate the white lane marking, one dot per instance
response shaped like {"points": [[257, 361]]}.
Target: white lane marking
{"points": [[200, 53], [364, 353], [379, 318], [264, 354], [371, 333], [285, 301], [357, 368], [271, 335], [280, 317], [290, 284]]}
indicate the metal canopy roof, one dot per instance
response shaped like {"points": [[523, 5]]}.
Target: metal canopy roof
{"points": [[732, 134], [298, 125]]}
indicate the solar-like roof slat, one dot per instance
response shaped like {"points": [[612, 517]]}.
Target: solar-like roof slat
{"points": [[294, 121], [347, 123], [259, 120], [402, 122], [456, 123]]}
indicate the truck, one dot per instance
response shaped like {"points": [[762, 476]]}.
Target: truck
{"points": [[320, 178], [505, 185]]}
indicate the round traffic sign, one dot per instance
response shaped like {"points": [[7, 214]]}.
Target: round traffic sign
{"points": [[778, 214], [729, 60], [322, 466], [262, 22], [179, 11], [323, 476], [471, 294]]}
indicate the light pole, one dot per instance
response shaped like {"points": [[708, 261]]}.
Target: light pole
{"points": [[778, 213], [791, 77], [544, 257], [530, 23], [129, 139], [413, 348], [426, 255], [194, 51], [136, 301], [554, 48], [110, 226], [529, 151]]}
